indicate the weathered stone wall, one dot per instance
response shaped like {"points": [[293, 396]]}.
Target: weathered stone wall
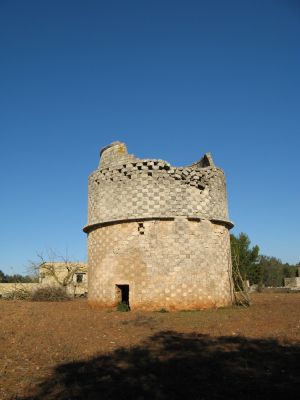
{"points": [[6, 289], [177, 264], [162, 230]]}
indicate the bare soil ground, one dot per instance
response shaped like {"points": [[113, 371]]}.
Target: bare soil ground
{"points": [[68, 351]]}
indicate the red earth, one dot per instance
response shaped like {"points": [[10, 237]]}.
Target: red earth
{"points": [[66, 350]]}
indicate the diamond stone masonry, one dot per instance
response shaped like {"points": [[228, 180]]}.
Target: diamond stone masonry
{"points": [[158, 235]]}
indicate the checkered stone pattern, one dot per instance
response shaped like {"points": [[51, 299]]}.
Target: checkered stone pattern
{"points": [[174, 264], [131, 191], [160, 229]]}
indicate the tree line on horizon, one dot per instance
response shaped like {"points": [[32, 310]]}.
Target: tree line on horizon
{"points": [[257, 268], [17, 278]]}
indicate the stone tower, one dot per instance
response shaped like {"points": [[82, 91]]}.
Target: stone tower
{"points": [[158, 235]]}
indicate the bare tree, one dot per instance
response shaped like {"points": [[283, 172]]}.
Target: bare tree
{"points": [[56, 269]]}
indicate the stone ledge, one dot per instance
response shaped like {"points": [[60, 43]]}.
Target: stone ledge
{"points": [[88, 228]]}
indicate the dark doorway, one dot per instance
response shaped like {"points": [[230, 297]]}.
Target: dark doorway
{"points": [[122, 292]]}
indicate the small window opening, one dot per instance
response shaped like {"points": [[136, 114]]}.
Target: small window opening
{"points": [[141, 228], [79, 278], [122, 294], [149, 173]]}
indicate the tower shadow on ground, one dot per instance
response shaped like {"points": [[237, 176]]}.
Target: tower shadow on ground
{"points": [[172, 365]]}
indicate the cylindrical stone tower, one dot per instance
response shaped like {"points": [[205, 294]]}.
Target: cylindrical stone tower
{"points": [[158, 235]]}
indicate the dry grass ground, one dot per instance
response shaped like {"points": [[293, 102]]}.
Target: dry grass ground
{"points": [[68, 351]]}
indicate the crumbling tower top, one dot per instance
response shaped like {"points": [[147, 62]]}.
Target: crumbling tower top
{"points": [[125, 187]]}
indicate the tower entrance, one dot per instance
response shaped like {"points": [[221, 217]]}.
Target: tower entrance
{"points": [[122, 294]]}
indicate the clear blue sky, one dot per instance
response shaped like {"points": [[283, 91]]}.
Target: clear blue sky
{"points": [[172, 79]]}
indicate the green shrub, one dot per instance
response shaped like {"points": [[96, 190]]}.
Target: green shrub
{"points": [[123, 306], [50, 293]]}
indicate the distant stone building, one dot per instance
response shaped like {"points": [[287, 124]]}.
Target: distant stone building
{"points": [[158, 235], [70, 275]]}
